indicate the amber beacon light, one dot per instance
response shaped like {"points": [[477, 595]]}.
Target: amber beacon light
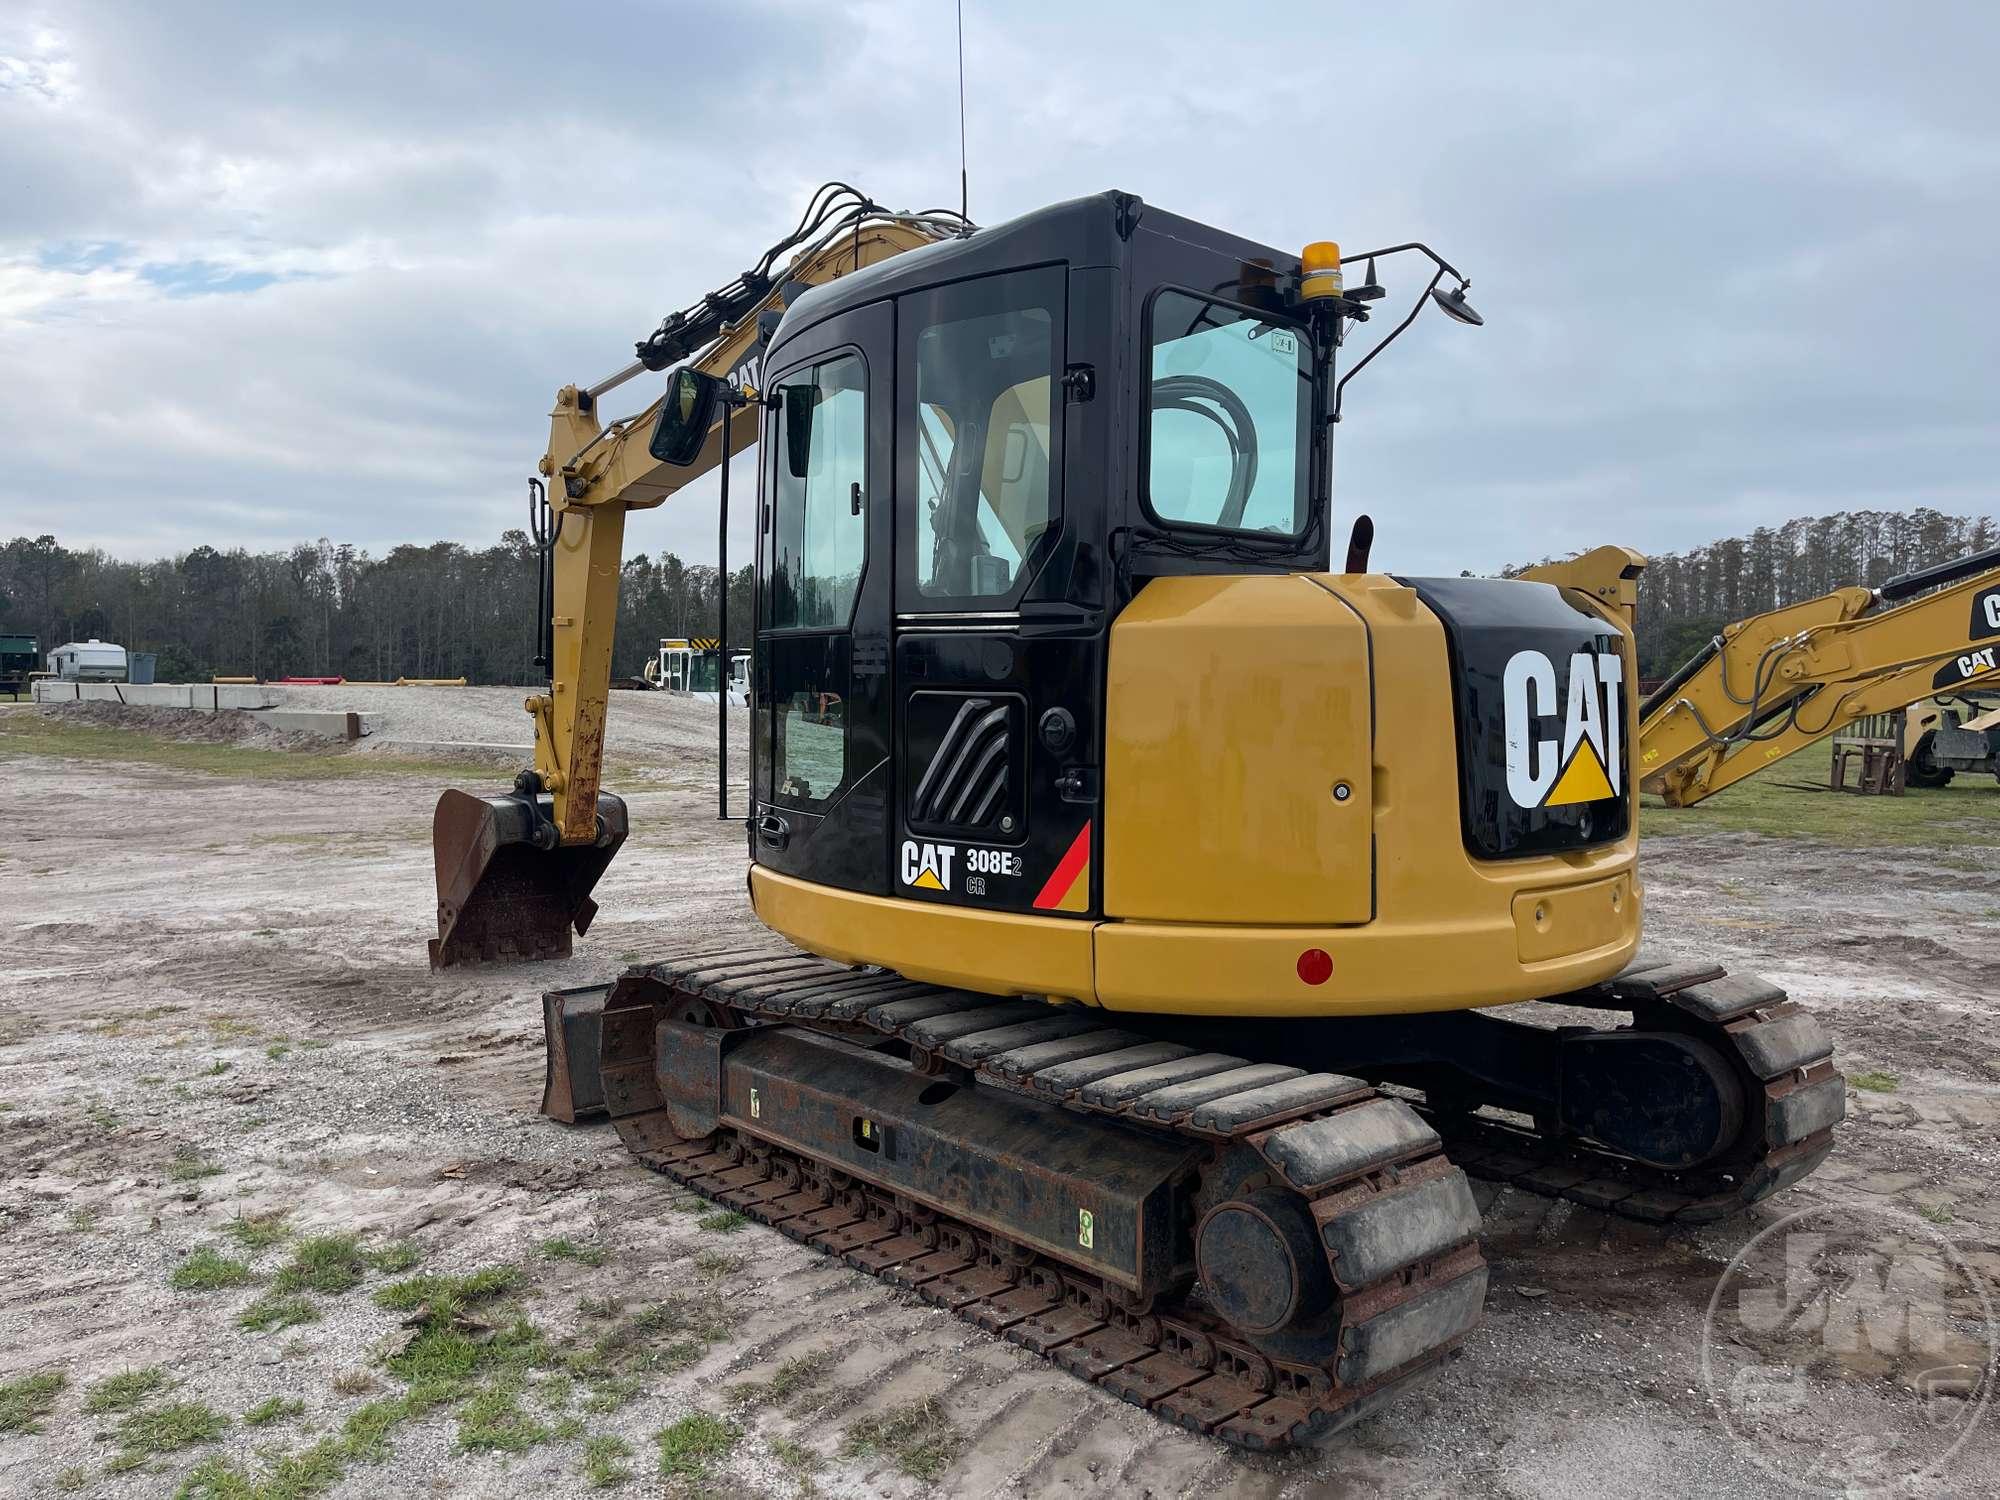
{"points": [[1319, 271]]}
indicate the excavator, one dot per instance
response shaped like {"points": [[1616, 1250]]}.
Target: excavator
{"points": [[1771, 685], [1144, 893]]}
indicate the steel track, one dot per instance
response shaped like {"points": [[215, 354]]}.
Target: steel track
{"points": [[1365, 1166]]}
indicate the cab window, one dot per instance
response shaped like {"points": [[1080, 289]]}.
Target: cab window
{"points": [[1228, 435], [818, 520], [979, 438]]}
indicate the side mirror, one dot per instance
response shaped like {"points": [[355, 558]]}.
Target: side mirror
{"points": [[686, 414], [799, 403]]}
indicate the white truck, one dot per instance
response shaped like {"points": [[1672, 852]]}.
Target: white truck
{"points": [[687, 668]]}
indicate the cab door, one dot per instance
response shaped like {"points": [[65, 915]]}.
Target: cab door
{"points": [[822, 773]]}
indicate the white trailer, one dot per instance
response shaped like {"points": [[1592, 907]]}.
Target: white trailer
{"points": [[89, 661]]}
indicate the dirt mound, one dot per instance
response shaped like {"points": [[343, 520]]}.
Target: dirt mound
{"points": [[229, 726]]}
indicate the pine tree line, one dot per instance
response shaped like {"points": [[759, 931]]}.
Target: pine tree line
{"points": [[1685, 598], [444, 610], [332, 610]]}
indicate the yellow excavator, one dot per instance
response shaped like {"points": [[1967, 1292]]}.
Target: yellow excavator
{"points": [[1771, 685], [1145, 886]]}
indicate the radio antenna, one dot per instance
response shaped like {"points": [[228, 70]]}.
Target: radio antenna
{"points": [[964, 193]]}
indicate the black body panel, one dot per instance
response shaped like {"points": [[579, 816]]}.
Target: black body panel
{"points": [[1544, 741]]}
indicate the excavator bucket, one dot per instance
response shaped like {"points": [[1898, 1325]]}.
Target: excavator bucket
{"points": [[506, 888]]}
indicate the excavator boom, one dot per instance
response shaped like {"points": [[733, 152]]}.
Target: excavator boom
{"points": [[515, 872], [1773, 684]]}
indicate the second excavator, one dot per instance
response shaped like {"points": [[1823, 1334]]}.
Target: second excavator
{"points": [[1147, 886]]}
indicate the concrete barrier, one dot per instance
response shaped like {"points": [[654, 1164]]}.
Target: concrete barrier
{"points": [[330, 722], [202, 695]]}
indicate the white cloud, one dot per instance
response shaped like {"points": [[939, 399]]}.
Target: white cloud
{"points": [[1732, 258]]}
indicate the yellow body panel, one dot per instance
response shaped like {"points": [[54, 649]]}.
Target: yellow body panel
{"points": [[1444, 932], [1234, 707], [1001, 953]]}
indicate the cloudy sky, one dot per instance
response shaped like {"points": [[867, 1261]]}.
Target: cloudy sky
{"points": [[271, 273]]}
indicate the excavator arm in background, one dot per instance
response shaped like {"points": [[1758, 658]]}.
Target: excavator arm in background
{"points": [[515, 872], [1773, 684]]}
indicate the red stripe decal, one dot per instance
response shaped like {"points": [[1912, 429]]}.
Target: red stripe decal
{"points": [[1066, 871]]}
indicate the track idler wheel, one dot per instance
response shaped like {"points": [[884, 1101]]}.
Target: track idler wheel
{"points": [[1261, 1263]]}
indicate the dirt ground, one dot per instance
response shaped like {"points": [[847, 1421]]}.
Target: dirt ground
{"points": [[219, 1043]]}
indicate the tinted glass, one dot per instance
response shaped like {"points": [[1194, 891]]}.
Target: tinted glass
{"points": [[984, 408], [812, 746], [819, 539], [1231, 406]]}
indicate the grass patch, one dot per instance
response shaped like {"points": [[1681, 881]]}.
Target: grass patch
{"points": [[208, 1270], [329, 1263], [693, 1446], [365, 1434], [661, 1338], [299, 1476], [101, 1117], [393, 1258], [215, 1069], [446, 1296], [295, 1476], [72, 1479], [1964, 814], [355, 1383], [610, 1392], [715, 1264], [444, 1355], [270, 1313], [726, 1222], [278, 1051], [1874, 1081], [794, 1378], [798, 1459], [24, 1402], [273, 1409], [189, 1165], [167, 1429], [493, 1421], [43, 734], [256, 1232], [1936, 1213], [564, 1248], [604, 1464], [917, 1437], [599, 1307], [126, 1389], [83, 1220]]}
